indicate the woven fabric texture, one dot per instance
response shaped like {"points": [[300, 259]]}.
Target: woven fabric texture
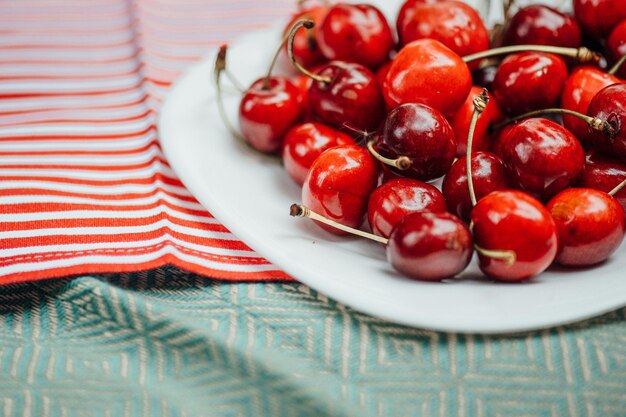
{"points": [[167, 343]]}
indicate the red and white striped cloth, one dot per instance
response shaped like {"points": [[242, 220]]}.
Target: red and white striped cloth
{"points": [[84, 187]]}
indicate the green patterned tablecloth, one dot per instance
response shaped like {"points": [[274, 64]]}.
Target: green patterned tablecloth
{"points": [[167, 343]]}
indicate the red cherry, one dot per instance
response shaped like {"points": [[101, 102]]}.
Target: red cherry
{"points": [[488, 174], [591, 226], [339, 184], [305, 46], [421, 134], [538, 24], [609, 104], [598, 17], [430, 246], [454, 24], [542, 157], [355, 33], [407, 12], [304, 143], [516, 223], [351, 97], [581, 86], [397, 198], [529, 81], [460, 122], [425, 71], [604, 174], [617, 45], [268, 111]]}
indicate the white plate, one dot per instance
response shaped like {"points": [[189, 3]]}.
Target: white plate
{"points": [[251, 195]]}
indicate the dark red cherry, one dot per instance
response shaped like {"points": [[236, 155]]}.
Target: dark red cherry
{"points": [[426, 71], [488, 174], [305, 46], [542, 157], [430, 246], [604, 174], [422, 134], [339, 184], [397, 198], [355, 33], [304, 143], [597, 18], [351, 97], [513, 224], [268, 111], [591, 226], [529, 81], [609, 104], [538, 24], [460, 122], [581, 86], [616, 45], [453, 23]]}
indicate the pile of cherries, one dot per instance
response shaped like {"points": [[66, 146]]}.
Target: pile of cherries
{"points": [[532, 171]]}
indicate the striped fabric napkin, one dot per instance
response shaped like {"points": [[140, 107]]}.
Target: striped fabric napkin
{"points": [[84, 187]]}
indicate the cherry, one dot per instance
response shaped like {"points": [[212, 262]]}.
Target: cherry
{"points": [[407, 13], [426, 71], [591, 226], [488, 175], [604, 174], [514, 234], [339, 183], [609, 104], [397, 198], [542, 157], [529, 81], [454, 24], [598, 17], [342, 93], [304, 143], [538, 24], [356, 33], [305, 47], [616, 44], [460, 122], [581, 86], [420, 139], [430, 246]]}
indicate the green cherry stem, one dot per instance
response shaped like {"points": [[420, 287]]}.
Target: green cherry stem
{"points": [[480, 103], [617, 189], [617, 65], [582, 55], [307, 24], [402, 162]]}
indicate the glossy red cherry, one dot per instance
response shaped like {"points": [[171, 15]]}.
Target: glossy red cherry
{"points": [[407, 12], [453, 23], [542, 157], [591, 226], [430, 246], [355, 33], [305, 46], [339, 184], [604, 174], [597, 18], [609, 104], [426, 71], [421, 134], [397, 198], [304, 143], [351, 97], [488, 174], [514, 224], [267, 111], [581, 86], [460, 122], [538, 24], [529, 81], [616, 45]]}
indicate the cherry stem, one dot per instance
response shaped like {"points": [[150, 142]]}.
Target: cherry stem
{"points": [[508, 256], [594, 122], [298, 210], [480, 104], [618, 188], [582, 54], [402, 162], [307, 24], [617, 65], [266, 81]]}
